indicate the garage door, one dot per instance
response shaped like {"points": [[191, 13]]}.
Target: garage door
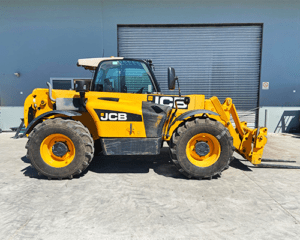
{"points": [[214, 60]]}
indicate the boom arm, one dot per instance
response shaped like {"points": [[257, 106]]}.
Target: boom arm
{"points": [[247, 141]]}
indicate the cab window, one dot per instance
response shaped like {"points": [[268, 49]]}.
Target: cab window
{"points": [[123, 76]]}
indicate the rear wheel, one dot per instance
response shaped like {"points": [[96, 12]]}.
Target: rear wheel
{"points": [[60, 148], [201, 148]]}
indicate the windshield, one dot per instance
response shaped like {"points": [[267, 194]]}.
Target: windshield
{"points": [[125, 76]]}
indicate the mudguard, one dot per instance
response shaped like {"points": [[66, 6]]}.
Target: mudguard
{"points": [[189, 114], [37, 120], [192, 113]]}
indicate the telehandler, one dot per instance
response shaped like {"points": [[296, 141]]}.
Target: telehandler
{"points": [[123, 112]]}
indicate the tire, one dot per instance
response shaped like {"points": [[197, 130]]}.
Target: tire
{"points": [[214, 157], [73, 136]]}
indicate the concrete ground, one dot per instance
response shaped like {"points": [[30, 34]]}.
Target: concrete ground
{"points": [[144, 197]]}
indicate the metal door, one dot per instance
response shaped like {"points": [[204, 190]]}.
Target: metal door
{"points": [[214, 60]]}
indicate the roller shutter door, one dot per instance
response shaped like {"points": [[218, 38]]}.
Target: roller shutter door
{"points": [[214, 60]]}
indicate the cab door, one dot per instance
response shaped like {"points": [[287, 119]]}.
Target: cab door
{"points": [[120, 87]]}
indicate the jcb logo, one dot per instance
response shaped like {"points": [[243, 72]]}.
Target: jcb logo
{"points": [[107, 115], [113, 116], [169, 101]]}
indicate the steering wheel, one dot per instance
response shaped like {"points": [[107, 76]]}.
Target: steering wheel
{"points": [[141, 90]]}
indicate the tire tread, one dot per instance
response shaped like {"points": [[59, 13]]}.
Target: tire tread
{"points": [[182, 129], [75, 126]]}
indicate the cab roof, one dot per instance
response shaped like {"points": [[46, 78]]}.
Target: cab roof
{"points": [[92, 63]]}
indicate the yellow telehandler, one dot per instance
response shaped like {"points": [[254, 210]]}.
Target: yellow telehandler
{"points": [[122, 111]]}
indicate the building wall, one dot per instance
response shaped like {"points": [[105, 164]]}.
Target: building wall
{"points": [[280, 119], [10, 117], [43, 39]]}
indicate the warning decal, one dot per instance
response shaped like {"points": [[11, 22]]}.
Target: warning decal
{"points": [[265, 85]]}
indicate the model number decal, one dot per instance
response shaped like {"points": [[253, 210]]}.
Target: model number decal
{"points": [[169, 101], [108, 115]]}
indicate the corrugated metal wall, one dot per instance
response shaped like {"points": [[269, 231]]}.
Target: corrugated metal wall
{"points": [[215, 60]]}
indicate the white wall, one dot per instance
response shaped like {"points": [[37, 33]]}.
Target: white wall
{"points": [[10, 117], [280, 119]]}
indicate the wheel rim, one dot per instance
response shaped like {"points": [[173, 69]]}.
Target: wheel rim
{"points": [[213, 153], [49, 150]]}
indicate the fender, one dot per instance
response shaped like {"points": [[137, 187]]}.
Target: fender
{"points": [[192, 113], [189, 114], [37, 120]]}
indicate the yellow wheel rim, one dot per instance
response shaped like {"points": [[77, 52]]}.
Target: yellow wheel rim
{"points": [[46, 150], [211, 157]]}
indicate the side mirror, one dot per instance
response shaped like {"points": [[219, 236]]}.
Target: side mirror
{"points": [[171, 78], [81, 86]]}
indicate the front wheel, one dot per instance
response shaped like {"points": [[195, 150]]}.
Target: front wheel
{"points": [[201, 148], [60, 148]]}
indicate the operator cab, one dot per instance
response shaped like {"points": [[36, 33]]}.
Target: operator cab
{"points": [[124, 76]]}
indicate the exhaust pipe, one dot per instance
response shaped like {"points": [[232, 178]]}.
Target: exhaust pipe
{"points": [[50, 92]]}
